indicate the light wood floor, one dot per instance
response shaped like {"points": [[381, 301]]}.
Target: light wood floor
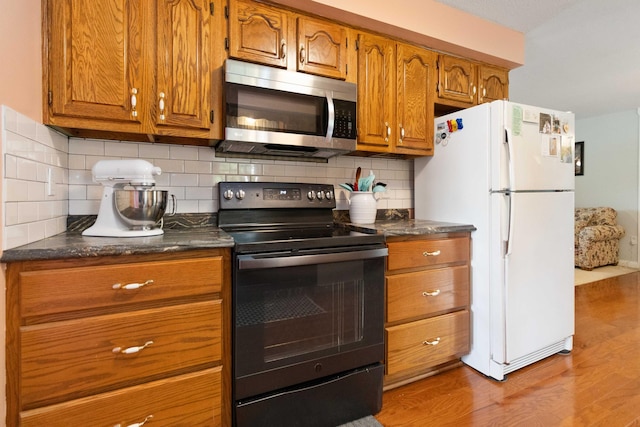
{"points": [[598, 384]]}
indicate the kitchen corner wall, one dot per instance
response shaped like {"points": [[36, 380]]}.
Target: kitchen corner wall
{"points": [[189, 172], [35, 180]]}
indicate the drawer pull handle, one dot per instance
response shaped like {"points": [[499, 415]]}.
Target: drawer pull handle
{"points": [[432, 342], [131, 350], [136, 424], [434, 253], [132, 286], [431, 293]]}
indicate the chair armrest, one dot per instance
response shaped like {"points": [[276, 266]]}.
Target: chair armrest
{"points": [[598, 233]]}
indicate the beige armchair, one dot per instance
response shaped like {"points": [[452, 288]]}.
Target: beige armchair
{"points": [[597, 237]]}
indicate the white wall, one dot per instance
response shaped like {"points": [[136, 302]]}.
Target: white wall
{"points": [[611, 167]]}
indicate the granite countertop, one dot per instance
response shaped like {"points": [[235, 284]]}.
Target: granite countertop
{"points": [[72, 244], [413, 227]]}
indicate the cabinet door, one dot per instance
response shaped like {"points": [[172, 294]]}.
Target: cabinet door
{"points": [[322, 48], [457, 79], [257, 33], [93, 63], [376, 92], [182, 90], [415, 75], [494, 84]]}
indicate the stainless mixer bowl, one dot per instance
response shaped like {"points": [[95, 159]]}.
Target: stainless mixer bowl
{"points": [[141, 209]]}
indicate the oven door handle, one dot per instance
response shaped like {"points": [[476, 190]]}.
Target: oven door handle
{"points": [[251, 262]]}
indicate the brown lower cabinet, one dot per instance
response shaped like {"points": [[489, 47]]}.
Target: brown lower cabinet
{"points": [[427, 323], [116, 341]]}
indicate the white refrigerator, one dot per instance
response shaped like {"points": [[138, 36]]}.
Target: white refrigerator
{"points": [[508, 169]]}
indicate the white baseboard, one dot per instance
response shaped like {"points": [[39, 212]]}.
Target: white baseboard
{"points": [[629, 264]]}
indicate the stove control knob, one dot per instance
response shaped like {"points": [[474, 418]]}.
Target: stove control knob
{"points": [[228, 194], [240, 194], [311, 195], [320, 195], [329, 195]]}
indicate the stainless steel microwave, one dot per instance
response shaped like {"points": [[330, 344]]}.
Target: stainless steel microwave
{"points": [[275, 112]]}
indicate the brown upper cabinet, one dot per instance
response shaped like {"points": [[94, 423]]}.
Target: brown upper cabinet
{"points": [[281, 38], [463, 83], [140, 68], [395, 97]]}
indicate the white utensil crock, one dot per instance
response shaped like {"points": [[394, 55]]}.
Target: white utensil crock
{"points": [[362, 207]]}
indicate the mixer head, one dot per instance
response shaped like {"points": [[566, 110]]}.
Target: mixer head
{"points": [[134, 172]]}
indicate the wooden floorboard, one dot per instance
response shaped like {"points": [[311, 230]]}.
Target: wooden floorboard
{"points": [[598, 384]]}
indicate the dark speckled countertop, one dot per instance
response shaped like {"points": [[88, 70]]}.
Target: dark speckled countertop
{"points": [[414, 227], [72, 244]]}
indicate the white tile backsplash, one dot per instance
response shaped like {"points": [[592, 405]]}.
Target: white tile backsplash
{"points": [[31, 154], [191, 173]]}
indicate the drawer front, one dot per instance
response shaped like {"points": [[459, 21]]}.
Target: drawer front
{"points": [[186, 400], [427, 343], [69, 289], [81, 357], [422, 293], [426, 253]]}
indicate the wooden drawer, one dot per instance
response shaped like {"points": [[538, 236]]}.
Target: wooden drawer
{"points": [[187, 400], [69, 289], [75, 358], [408, 348], [421, 293], [426, 253]]}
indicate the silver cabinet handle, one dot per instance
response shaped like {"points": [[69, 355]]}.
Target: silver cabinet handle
{"points": [[434, 253], [432, 342], [140, 424], [131, 350], [131, 286], [431, 293]]}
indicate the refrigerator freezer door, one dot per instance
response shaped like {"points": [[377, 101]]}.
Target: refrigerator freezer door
{"points": [[537, 295], [525, 156]]}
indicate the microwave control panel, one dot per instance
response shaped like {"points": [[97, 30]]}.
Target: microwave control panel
{"points": [[345, 122]]}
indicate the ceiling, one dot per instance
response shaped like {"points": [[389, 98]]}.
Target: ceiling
{"points": [[580, 55]]}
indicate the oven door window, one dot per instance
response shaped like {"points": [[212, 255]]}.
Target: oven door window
{"points": [[290, 315]]}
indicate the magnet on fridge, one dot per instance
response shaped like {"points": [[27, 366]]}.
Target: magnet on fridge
{"points": [[459, 123]]}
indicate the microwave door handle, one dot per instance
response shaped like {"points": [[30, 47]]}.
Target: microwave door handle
{"points": [[332, 116]]}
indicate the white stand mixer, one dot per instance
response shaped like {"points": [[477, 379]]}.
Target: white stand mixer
{"points": [[113, 175]]}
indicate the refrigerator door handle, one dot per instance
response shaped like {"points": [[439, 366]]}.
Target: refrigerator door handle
{"points": [[507, 223], [510, 160]]}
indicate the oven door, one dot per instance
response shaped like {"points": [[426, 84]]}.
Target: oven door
{"points": [[303, 316]]}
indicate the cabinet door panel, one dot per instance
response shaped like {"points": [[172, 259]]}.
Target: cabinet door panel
{"points": [[457, 79], [94, 58], [322, 48], [494, 84], [182, 93], [376, 92], [415, 74], [258, 33]]}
